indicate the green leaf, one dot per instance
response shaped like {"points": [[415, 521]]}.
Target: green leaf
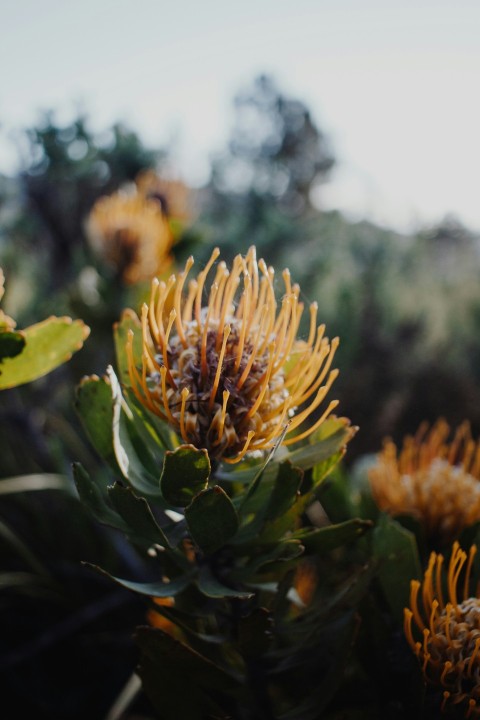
{"points": [[291, 550], [136, 463], [396, 554], [128, 321], [361, 498], [291, 503], [272, 501], [211, 587], [326, 539], [253, 511], [94, 404], [285, 490], [11, 343], [333, 493], [212, 519], [186, 471], [94, 497], [330, 438], [179, 681], [260, 473], [275, 529], [138, 516], [48, 344], [279, 553], [156, 433], [154, 588]]}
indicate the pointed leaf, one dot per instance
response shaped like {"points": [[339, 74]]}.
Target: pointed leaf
{"points": [[154, 588], [285, 490], [330, 438], [136, 464], [48, 344], [395, 551], [138, 516], [334, 493], [211, 587], [260, 473], [212, 519], [157, 434], [186, 471], [94, 404], [93, 496], [274, 497], [274, 569], [282, 551], [326, 539]]}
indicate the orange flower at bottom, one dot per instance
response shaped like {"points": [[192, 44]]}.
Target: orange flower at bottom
{"points": [[156, 620], [448, 633]]}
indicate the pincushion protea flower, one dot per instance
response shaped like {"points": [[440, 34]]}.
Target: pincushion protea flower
{"points": [[435, 481], [231, 375], [448, 644], [132, 234]]}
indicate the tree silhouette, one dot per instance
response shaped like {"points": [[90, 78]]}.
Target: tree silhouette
{"points": [[276, 151]]}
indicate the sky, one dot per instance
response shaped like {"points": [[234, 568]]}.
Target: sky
{"points": [[394, 84]]}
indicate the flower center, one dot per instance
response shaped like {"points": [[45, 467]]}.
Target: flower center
{"points": [[221, 433]]}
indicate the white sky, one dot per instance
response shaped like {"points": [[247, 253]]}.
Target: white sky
{"points": [[394, 83]]}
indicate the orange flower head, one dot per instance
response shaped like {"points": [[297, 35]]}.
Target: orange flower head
{"points": [[175, 198], [443, 629], [435, 481], [230, 375], [131, 233]]}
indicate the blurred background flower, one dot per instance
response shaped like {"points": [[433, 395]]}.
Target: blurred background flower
{"points": [[130, 232], [435, 481]]}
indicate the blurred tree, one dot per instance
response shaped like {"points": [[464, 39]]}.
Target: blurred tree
{"points": [[66, 169], [276, 150], [262, 183], [49, 263]]}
